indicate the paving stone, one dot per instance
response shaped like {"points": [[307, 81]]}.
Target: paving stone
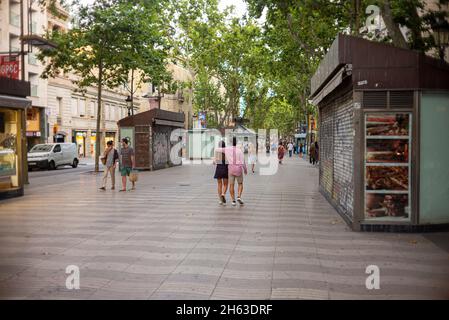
{"points": [[170, 239]]}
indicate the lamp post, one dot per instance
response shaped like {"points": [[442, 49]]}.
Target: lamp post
{"points": [[441, 35], [129, 104]]}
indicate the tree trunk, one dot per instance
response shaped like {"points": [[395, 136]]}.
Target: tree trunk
{"points": [[393, 28], [132, 92], [98, 134], [356, 18]]}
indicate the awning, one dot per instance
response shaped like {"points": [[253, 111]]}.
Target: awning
{"points": [[14, 102], [332, 84], [169, 123]]}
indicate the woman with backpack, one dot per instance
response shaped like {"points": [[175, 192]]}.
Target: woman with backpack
{"points": [[109, 159]]}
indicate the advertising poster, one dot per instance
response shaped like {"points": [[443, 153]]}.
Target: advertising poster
{"points": [[387, 166]]}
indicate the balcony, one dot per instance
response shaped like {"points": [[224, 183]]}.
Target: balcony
{"points": [[12, 87]]}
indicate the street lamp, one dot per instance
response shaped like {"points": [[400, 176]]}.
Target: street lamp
{"points": [[441, 35], [129, 104]]}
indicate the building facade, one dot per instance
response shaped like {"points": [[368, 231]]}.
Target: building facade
{"points": [[34, 22], [59, 112]]}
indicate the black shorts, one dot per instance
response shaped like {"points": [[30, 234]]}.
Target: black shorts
{"points": [[221, 172]]}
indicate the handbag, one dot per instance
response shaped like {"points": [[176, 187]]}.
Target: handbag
{"points": [[104, 158], [133, 176]]}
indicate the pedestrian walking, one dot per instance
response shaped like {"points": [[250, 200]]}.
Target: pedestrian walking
{"points": [[221, 173], [109, 159], [281, 152], [127, 163], [290, 149], [312, 153], [236, 167], [301, 150], [252, 156], [317, 152]]}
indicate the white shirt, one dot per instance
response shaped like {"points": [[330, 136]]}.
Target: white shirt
{"points": [[290, 147]]}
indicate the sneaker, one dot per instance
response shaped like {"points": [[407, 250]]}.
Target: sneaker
{"points": [[102, 188], [234, 203], [240, 201], [223, 199]]}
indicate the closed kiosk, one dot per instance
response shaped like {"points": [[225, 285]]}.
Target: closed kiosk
{"points": [[153, 136], [383, 119]]}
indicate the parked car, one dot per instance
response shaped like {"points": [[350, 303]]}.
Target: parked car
{"points": [[53, 155]]}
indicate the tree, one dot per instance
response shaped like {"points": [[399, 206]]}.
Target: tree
{"points": [[100, 49], [207, 96], [297, 34], [146, 48], [223, 48]]}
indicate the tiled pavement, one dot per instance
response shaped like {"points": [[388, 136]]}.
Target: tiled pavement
{"points": [[171, 240]]}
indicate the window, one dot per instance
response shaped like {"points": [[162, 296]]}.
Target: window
{"points": [[92, 109], [116, 112], [10, 130], [32, 58], [82, 107], [14, 43], [60, 106], [111, 112], [34, 80], [74, 106], [106, 112], [57, 148]]}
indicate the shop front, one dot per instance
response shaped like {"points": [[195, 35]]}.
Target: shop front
{"points": [[110, 136], [80, 137], [35, 127], [383, 128], [12, 136], [93, 142]]}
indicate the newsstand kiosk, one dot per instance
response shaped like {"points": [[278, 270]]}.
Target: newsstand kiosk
{"points": [[384, 136]]}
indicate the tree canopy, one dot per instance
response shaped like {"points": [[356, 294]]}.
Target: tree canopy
{"points": [[243, 67], [109, 40]]}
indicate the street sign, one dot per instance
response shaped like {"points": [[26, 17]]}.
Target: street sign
{"points": [[9, 67]]}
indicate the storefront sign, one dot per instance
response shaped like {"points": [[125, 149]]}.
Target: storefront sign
{"points": [[9, 67], [202, 120], [33, 134]]}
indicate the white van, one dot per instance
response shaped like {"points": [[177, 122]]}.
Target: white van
{"points": [[53, 155]]}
